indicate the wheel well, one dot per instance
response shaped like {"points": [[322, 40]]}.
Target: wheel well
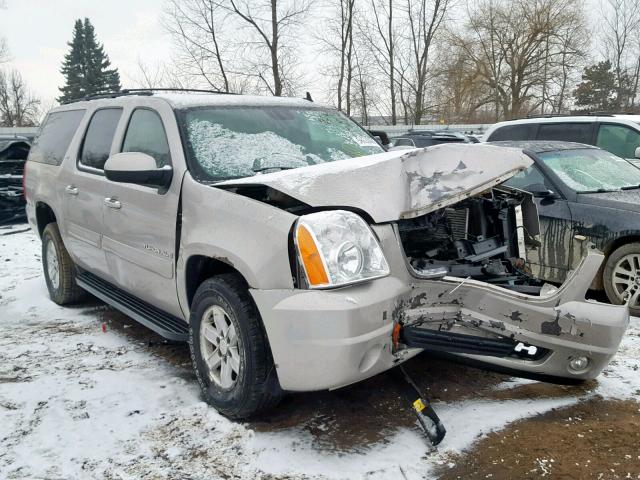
{"points": [[44, 216], [618, 242], [199, 268]]}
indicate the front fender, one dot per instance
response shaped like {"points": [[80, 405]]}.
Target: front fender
{"points": [[246, 234]]}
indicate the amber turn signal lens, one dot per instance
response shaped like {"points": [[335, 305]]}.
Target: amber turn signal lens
{"points": [[313, 266]]}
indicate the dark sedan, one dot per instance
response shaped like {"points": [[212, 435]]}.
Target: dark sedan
{"points": [[13, 153], [584, 194], [421, 139]]}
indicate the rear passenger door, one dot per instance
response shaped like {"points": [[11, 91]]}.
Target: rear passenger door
{"points": [[83, 192], [140, 221]]}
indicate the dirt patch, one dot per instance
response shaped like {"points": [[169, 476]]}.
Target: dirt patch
{"points": [[593, 439], [353, 418]]}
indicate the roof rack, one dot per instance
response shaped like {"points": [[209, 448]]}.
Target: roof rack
{"points": [[143, 91]]}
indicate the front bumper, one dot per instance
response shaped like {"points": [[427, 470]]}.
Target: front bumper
{"points": [[328, 339]]}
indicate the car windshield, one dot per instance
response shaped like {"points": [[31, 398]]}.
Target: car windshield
{"points": [[591, 170], [236, 142]]}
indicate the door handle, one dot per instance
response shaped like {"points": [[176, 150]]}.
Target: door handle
{"points": [[71, 189], [112, 203]]}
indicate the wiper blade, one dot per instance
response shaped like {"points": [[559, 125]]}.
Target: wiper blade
{"points": [[630, 187], [599, 190], [262, 169]]}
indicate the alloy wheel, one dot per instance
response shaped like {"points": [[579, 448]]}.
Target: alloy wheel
{"points": [[626, 279], [220, 347]]}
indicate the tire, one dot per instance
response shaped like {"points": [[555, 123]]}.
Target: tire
{"points": [[238, 384], [61, 280], [621, 276]]}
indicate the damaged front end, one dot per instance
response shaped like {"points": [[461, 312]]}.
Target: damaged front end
{"points": [[479, 299], [399, 252]]}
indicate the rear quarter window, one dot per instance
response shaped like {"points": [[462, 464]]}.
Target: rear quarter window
{"points": [[523, 131], [54, 137], [566, 132]]}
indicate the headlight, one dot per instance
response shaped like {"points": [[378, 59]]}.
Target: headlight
{"points": [[338, 248]]}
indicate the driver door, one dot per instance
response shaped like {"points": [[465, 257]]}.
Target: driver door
{"points": [[550, 257]]}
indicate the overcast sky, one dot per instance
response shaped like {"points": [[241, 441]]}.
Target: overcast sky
{"points": [[38, 32]]}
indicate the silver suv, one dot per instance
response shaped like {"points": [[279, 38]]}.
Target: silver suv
{"points": [[292, 253]]}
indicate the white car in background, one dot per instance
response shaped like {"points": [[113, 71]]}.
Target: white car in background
{"points": [[616, 133]]}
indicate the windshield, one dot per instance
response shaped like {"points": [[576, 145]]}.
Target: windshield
{"points": [[232, 142], [591, 170]]}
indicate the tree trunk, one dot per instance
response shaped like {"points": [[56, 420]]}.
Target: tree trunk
{"points": [[275, 68], [392, 83]]}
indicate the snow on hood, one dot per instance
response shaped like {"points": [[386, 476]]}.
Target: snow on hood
{"points": [[400, 184]]}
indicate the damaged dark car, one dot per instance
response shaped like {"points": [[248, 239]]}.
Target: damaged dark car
{"points": [[13, 154], [584, 195]]}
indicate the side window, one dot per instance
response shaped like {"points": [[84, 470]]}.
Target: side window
{"points": [[567, 132], [54, 137], [523, 131], [530, 176], [99, 137], [146, 134], [618, 139]]}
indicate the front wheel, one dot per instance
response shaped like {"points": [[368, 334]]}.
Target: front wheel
{"points": [[621, 277], [230, 350]]}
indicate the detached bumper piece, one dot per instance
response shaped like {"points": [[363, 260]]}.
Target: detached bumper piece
{"points": [[443, 341], [429, 420]]}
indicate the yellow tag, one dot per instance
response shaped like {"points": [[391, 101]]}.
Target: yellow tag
{"points": [[418, 405]]}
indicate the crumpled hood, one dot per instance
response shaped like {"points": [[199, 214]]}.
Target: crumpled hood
{"points": [[401, 184]]}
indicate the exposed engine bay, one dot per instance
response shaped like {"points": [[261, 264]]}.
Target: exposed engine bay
{"points": [[483, 238]]}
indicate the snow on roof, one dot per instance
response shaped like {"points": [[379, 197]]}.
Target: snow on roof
{"points": [[185, 100]]}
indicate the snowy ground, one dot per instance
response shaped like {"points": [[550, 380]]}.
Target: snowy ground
{"points": [[86, 393]]}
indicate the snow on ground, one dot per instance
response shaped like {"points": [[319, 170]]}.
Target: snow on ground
{"points": [[77, 402]]}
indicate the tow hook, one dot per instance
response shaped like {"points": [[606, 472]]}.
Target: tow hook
{"points": [[429, 420]]}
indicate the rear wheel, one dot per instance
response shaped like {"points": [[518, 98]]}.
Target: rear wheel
{"points": [[230, 350], [59, 269], [621, 277]]}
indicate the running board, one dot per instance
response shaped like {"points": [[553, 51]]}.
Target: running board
{"points": [[170, 327], [444, 341]]}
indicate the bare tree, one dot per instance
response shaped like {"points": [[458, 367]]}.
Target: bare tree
{"points": [[380, 34], [160, 75], [18, 107], [424, 21], [519, 46], [620, 31], [335, 37], [198, 30], [272, 24]]}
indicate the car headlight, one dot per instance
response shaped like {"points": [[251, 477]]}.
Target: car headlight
{"points": [[336, 248]]}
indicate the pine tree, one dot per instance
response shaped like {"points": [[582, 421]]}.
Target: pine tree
{"points": [[73, 67], [87, 67]]}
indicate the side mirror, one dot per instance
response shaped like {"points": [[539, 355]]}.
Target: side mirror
{"points": [[637, 153], [540, 190], [381, 137], [138, 168]]}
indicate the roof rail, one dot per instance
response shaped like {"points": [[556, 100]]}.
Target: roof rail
{"points": [[142, 91], [583, 114]]}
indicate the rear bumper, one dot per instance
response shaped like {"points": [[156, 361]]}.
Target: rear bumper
{"points": [[328, 339]]}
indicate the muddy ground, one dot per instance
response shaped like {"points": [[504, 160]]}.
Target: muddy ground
{"points": [[594, 439], [86, 392]]}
